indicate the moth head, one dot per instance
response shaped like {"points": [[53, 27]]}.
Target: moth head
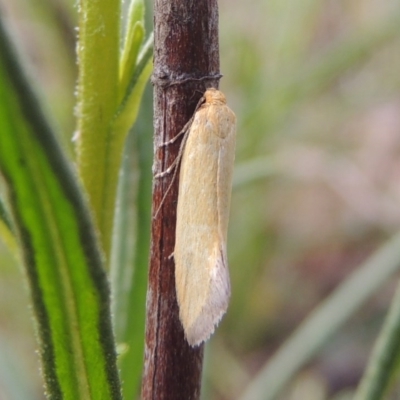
{"points": [[214, 96]]}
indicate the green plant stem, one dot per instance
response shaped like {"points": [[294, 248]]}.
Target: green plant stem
{"points": [[98, 152]]}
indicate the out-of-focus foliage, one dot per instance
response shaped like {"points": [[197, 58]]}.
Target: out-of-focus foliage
{"points": [[315, 86]]}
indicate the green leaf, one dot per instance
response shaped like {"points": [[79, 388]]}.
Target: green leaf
{"points": [[129, 56], [136, 12], [98, 151], [4, 217], [324, 321], [6, 229], [63, 263], [129, 107], [132, 44], [131, 261], [383, 367]]}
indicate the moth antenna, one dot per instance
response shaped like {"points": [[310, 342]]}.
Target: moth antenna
{"points": [[185, 130], [173, 140], [175, 165]]}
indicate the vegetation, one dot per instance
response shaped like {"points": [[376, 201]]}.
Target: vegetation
{"points": [[314, 241]]}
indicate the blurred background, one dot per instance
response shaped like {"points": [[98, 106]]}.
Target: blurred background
{"points": [[316, 191]]}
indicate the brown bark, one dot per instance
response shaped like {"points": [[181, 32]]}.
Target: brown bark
{"points": [[186, 61]]}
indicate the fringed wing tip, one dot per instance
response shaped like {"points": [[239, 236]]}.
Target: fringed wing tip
{"points": [[215, 306], [203, 328]]}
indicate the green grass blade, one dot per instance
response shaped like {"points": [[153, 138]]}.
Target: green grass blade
{"points": [[63, 263], [383, 367], [314, 332]]}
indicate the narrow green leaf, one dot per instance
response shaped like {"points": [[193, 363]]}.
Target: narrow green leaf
{"points": [[131, 261], [128, 110], [133, 41], [8, 238], [63, 263], [7, 234], [4, 216], [136, 12], [324, 321], [383, 367], [98, 154]]}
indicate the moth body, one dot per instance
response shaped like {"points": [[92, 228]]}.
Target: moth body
{"points": [[205, 181]]}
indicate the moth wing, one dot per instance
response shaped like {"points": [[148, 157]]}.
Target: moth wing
{"points": [[201, 268]]}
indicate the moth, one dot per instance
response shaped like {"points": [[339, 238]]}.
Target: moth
{"points": [[205, 182]]}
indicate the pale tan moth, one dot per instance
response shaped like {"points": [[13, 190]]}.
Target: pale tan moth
{"points": [[205, 182]]}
